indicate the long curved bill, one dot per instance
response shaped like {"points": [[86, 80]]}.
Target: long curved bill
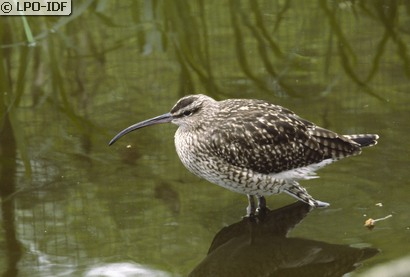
{"points": [[152, 121]]}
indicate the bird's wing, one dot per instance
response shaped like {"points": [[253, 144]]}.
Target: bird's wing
{"points": [[273, 139]]}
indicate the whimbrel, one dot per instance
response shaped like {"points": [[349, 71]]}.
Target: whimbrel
{"points": [[253, 147]]}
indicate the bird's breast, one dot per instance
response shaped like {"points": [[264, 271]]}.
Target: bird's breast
{"points": [[194, 152], [190, 150]]}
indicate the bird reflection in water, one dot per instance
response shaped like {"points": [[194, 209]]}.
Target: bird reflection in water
{"points": [[259, 246]]}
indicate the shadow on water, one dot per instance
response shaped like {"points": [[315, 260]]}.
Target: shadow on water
{"points": [[260, 247]]}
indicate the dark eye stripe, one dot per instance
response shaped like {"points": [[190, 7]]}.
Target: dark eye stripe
{"points": [[183, 103], [186, 112]]}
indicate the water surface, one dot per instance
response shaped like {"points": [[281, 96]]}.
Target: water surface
{"points": [[72, 206]]}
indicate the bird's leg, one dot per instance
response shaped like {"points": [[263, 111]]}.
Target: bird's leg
{"points": [[261, 204], [300, 193], [251, 205]]}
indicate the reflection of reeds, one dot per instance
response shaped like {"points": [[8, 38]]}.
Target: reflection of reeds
{"points": [[12, 90], [12, 246], [265, 44], [16, 78], [11, 139], [190, 38], [240, 46], [387, 17], [53, 71]]}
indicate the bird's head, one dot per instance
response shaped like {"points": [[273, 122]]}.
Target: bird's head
{"points": [[186, 113]]}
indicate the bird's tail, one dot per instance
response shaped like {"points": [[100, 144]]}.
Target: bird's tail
{"points": [[364, 139]]}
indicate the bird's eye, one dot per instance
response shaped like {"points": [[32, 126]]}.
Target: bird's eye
{"points": [[187, 113]]}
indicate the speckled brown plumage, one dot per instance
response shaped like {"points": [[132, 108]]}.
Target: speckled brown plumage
{"points": [[253, 147]]}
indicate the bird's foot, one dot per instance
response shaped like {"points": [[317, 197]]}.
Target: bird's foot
{"points": [[320, 204], [300, 193], [262, 209], [252, 211], [262, 212]]}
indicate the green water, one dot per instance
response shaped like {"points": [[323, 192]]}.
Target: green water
{"points": [[72, 206]]}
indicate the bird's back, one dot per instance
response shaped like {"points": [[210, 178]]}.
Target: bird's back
{"points": [[267, 138]]}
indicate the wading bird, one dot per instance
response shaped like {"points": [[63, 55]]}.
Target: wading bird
{"points": [[253, 147]]}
